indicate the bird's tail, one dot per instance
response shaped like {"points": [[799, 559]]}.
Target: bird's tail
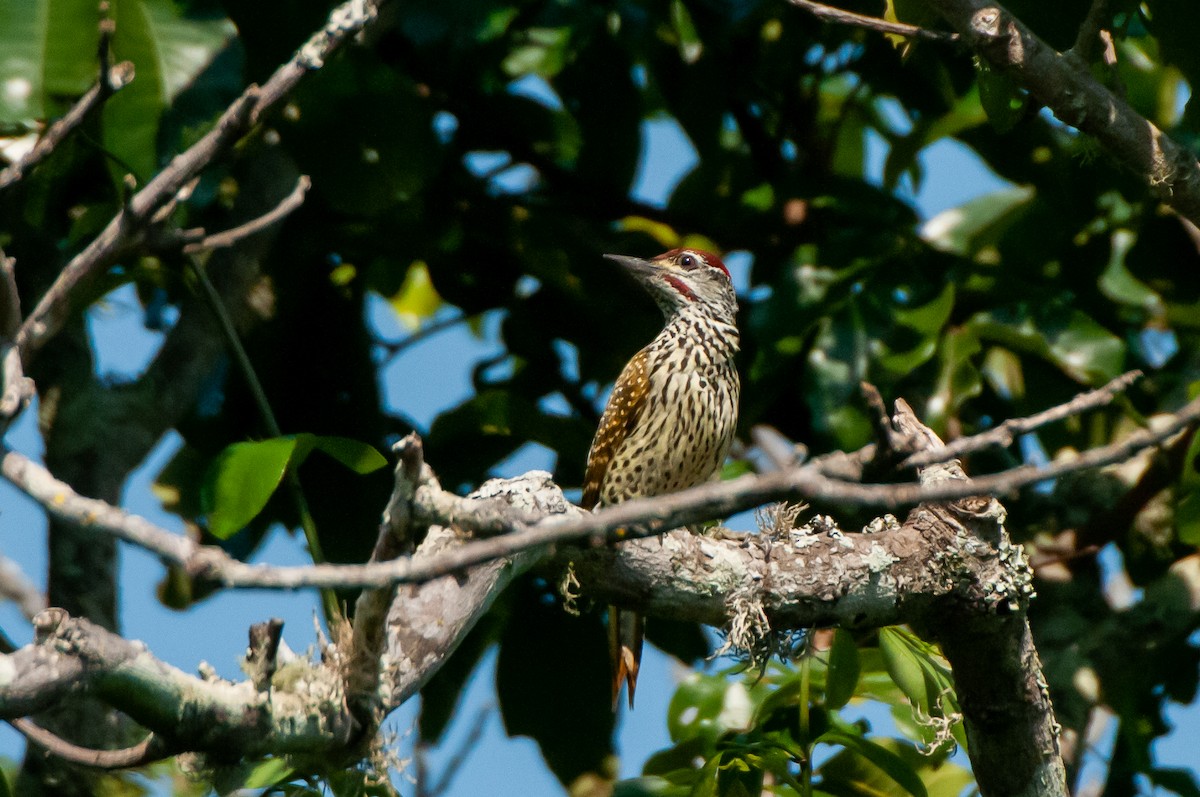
{"points": [[625, 634]]}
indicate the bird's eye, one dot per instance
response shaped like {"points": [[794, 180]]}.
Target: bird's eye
{"points": [[687, 261]]}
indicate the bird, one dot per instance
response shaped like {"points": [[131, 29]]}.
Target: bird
{"points": [[670, 419]]}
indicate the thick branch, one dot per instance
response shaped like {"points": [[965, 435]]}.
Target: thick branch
{"points": [[72, 655], [1059, 82]]}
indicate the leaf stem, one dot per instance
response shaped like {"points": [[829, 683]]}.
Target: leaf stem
{"points": [[329, 601], [805, 765]]}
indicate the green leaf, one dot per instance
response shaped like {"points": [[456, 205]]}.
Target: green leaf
{"points": [[978, 224], [543, 53], [168, 50], [1187, 505], [356, 455], [417, 299], [1082, 348], [242, 480], [22, 36], [843, 670], [925, 678], [893, 765], [690, 45], [695, 707], [253, 775], [245, 475], [958, 378], [649, 786]]}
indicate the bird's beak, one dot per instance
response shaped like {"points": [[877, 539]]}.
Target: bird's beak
{"points": [[635, 265]]}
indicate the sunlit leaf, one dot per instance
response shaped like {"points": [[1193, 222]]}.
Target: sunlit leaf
{"points": [[354, 454], [696, 708], [1085, 350], [690, 46], [417, 299], [1187, 506], [925, 678], [958, 378], [242, 480], [168, 52], [969, 228], [254, 775]]}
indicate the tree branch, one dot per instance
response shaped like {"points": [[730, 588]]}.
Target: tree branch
{"points": [[144, 752], [1055, 80], [814, 575], [196, 240], [842, 17], [130, 225], [15, 388], [1004, 434], [642, 517], [112, 79], [72, 655]]}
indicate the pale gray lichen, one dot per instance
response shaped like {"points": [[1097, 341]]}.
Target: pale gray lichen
{"points": [[887, 522], [348, 17], [1015, 589], [878, 559]]}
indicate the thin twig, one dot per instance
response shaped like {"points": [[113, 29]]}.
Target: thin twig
{"points": [[396, 347], [17, 587], [15, 388], [232, 236], [1004, 434], [842, 17], [128, 227], [144, 752], [1088, 38], [454, 764], [111, 80]]}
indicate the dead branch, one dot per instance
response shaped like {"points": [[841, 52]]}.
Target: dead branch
{"points": [[1005, 433], [71, 655]]}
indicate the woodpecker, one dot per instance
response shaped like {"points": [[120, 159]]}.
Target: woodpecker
{"points": [[670, 419]]}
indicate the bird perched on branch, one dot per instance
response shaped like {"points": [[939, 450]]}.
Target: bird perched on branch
{"points": [[670, 419]]}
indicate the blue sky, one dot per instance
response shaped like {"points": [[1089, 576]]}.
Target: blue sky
{"points": [[215, 631]]}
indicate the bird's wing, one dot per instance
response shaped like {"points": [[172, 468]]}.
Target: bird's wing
{"points": [[624, 406]]}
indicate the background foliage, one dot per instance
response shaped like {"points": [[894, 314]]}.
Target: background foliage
{"points": [[475, 158]]}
